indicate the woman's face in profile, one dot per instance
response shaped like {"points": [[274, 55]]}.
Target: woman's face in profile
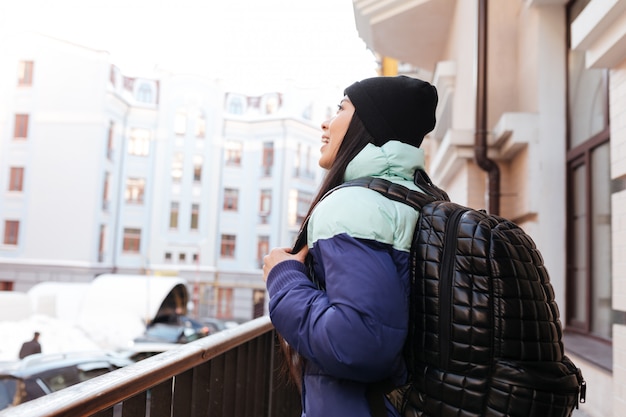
{"points": [[333, 132]]}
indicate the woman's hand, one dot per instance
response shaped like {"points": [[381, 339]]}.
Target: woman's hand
{"points": [[278, 255]]}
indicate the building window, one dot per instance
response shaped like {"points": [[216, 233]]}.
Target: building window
{"points": [[262, 249], [135, 190], [297, 160], [112, 75], [25, 73], [177, 167], [139, 142], [304, 202], [6, 285], [16, 179], [258, 303], [589, 237], [232, 150], [200, 125], [268, 158], [271, 103], [224, 303], [168, 257], [180, 123], [298, 206], [588, 228], [174, 215], [105, 191], [302, 163], [196, 258], [182, 257], [265, 205], [235, 105], [231, 199], [11, 232], [227, 247], [195, 215], [145, 93], [101, 243], [197, 168], [20, 130], [110, 140], [132, 240]]}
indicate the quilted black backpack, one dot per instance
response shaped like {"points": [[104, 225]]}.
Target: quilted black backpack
{"points": [[484, 331]]}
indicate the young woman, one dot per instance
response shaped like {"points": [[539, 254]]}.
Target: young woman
{"points": [[348, 324]]}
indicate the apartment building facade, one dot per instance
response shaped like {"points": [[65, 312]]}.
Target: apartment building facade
{"points": [[106, 173], [530, 126]]}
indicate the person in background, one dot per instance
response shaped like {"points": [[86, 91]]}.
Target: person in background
{"points": [[340, 300], [31, 347]]}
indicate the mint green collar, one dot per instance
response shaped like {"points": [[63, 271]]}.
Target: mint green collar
{"points": [[392, 160]]}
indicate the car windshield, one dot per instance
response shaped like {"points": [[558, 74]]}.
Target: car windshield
{"points": [[169, 333]]}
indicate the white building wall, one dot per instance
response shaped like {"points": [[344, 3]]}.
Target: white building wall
{"points": [[66, 140], [192, 96], [77, 94], [546, 173]]}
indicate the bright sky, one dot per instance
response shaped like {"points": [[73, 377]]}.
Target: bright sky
{"points": [[251, 42]]}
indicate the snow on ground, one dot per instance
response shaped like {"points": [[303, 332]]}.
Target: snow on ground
{"points": [[56, 336], [104, 314]]}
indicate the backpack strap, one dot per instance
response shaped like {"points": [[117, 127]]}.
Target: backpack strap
{"points": [[393, 191], [422, 180]]}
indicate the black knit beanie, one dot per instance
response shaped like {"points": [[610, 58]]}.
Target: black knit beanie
{"points": [[395, 108]]}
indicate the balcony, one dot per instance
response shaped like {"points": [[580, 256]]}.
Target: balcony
{"points": [[236, 372]]}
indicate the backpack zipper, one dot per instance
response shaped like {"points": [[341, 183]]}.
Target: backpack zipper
{"points": [[445, 284]]}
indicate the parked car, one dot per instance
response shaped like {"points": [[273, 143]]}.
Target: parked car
{"points": [[173, 329], [41, 374], [138, 351], [216, 325]]}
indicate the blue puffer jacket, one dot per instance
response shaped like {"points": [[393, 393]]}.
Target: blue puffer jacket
{"points": [[352, 333]]}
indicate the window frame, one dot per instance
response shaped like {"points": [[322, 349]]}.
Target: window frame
{"points": [[231, 199], [16, 179], [21, 124], [11, 232], [131, 240], [579, 318], [228, 245], [110, 136], [25, 73], [174, 215], [135, 190], [194, 217], [577, 157], [267, 159], [139, 142], [198, 163], [233, 151]]}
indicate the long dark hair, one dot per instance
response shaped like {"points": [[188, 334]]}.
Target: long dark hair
{"points": [[356, 138]]}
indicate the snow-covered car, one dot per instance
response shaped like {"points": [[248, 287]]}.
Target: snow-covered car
{"points": [[41, 374], [176, 329]]}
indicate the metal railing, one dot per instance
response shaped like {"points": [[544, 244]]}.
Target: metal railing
{"points": [[234, 373]]}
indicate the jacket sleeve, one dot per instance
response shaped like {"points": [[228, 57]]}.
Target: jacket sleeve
{"points": [[357, 327]]}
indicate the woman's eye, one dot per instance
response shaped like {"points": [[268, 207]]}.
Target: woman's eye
{"points": [[339, 107]]}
